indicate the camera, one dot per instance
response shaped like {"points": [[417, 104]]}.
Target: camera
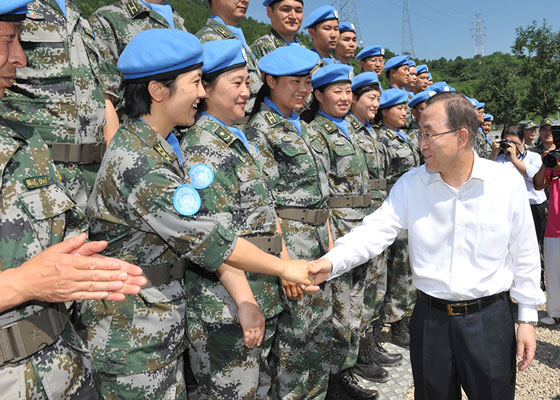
{"points": [[553, 158], [504, 144]]}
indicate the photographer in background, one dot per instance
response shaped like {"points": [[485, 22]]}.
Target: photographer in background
{"points": [[548, 176]]}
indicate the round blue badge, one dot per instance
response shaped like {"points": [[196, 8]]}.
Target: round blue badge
{"points": [[201, 175], [186, 200]]}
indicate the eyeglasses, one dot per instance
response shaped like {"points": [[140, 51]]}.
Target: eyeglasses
{"points": [[429, 137]]}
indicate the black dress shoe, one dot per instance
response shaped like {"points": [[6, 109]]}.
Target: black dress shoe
{"points": [[356, 386], [399, 333], [382, 357], [371, 372]]}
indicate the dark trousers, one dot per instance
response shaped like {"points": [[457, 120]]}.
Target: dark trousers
{"points": [[540, 214], [475, 351]]}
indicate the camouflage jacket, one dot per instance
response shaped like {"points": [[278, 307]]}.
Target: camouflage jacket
{"points": [[36, 213], [403, 156], [114, 26], [481, 146], [267, 43], [132, 207], [376, 155], [346, 167], [58, 93], [239, 191], [214, 30], [295, 175]]}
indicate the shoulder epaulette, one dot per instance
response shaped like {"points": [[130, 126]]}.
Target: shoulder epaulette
{"points": [[389, 134], [271, 118], [132, 8], [159, 148], [355, 124], [222, 32], [277, 42], [328, 126], [223, 134]]}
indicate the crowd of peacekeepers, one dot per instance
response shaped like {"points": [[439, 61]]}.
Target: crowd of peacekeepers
{"points": [[223, 192]]}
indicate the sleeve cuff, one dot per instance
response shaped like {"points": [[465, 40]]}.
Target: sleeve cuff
{"points": [[212, 252], [526, 312], [336, 257]]}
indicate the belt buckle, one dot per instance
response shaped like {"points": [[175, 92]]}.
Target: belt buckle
{"points": [[451, 311]]}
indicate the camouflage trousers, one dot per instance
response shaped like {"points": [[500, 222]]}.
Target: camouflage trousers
{"points": [[302, 346], [374, 293], [78, 180], [61, 371], [166, 383], [224, 368], [348, 304], [400, 294]]}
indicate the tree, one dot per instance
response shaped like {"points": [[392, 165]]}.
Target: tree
{"points": [[539, 49]]}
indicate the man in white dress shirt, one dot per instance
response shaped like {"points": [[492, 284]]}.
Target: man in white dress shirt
{"points": [[472, 244]]}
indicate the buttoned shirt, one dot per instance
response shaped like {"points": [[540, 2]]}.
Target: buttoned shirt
{"points": [[532, 163], [464, 243]]}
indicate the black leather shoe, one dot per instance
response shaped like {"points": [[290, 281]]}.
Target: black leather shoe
{"points": [[356, 386], [382, 357], [371, 372], [399, 333]]}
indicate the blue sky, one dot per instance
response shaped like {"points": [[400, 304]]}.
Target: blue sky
{"points": [[441, 28]]}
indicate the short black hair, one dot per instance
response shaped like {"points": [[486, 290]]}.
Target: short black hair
{"points": [[513, 130], [365, 89], [137, 98]]}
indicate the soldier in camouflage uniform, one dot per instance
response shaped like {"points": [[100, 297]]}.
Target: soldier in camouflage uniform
{"points": [[365, 101], [142, 203], [285, 17], [41, 357], [224, 367], [299, 185], [224, 25], [350, 201], [545, 142], [59, 93], [114, 26], [404, 155]]}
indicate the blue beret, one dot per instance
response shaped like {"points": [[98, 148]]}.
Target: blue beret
{"points": [[370, 51], [221, 56], [421, 69], [421, 97], [321, 14], [331, 74], [392, 97], [160, 54], [480, 105], [289, 61], [411, 63], [396, 62], [440, 87], [473, 101], [365, 78], [13, 8], [267, 3], [429, 75], [346, 27], [490, 117]]}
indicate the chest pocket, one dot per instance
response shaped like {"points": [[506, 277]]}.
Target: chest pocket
{"points": [[295, 162], [405, 155], [251, 187], [346, 160], [45, 208], [371, 156]]}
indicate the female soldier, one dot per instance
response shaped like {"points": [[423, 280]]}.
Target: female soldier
{"points": [[217, 152], [366, 92], [299, 185], [404, 155], [350, 202], [142, 203]]}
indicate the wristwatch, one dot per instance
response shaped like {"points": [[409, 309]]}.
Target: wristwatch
{"points": [[533, 323]]}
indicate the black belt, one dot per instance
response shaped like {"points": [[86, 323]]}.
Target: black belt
{"points": [[460, 307], [311, 216], [25, 337], [268, 244], [83, 153], [164, 273]]}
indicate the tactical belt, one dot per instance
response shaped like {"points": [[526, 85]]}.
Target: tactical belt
{"points": [[164, 273], [25, 337], [268, 244], [377, 184], [350, 201], [460, 307], [85, 153], [315, 216]]}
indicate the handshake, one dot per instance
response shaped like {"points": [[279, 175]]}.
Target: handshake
{"points": [[304, 276]]}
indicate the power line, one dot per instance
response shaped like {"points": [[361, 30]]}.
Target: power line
{"points": [[479, 34], [407, 44]]}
